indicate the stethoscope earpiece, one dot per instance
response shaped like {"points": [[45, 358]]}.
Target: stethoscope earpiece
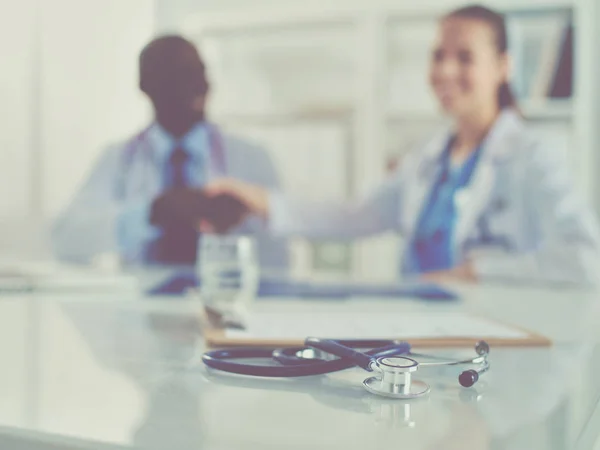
{"points": [[482, 348], [468, 378]]}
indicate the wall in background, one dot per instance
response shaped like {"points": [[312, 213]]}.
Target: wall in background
{"points": [[171, 13], [18, 105], [89, 86], [593, 65], [69, 87]]}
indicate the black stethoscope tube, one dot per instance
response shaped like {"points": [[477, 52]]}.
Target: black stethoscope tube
{"points": [[292, 365]]}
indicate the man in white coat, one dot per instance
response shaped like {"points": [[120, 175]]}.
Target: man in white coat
{"points": [[143, 200]]}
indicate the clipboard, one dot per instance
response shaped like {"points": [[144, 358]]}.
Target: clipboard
{"points": [[218, 335]]}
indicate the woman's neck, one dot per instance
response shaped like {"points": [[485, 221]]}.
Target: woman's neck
{"points": [[470, 131]]}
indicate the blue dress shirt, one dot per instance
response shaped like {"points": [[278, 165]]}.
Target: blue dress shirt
{"points": [[432, 247]]}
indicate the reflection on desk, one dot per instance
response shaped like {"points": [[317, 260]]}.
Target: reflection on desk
{"points": [[122, 373], [51, 277]]}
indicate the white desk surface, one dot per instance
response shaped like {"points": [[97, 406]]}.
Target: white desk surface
{"points": [[110, 371]]}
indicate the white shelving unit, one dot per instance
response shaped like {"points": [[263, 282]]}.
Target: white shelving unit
{"points": [[347, 63]]}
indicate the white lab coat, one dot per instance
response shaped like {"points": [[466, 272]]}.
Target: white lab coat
{"points": [[520, 188], [127, 176]]}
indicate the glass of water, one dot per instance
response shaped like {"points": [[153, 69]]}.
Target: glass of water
{"points": [[228, 269]]}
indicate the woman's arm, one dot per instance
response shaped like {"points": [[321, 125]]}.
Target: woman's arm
{"points": [[286, 215]]}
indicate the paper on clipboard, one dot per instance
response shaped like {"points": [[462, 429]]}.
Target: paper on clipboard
{"points": [[278, 326], [421, 329]]}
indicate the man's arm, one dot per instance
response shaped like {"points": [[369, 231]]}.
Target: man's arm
{"points": [[99, 221]]}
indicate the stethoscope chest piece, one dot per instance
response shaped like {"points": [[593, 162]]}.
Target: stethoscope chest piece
{"points": [[396, 379]]}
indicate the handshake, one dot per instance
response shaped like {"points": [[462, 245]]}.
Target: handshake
{"points": [[193, 208]]}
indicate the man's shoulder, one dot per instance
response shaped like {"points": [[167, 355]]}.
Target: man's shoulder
{"points": [[125, 146]]}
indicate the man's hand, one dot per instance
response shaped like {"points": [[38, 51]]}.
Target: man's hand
{"points": [[186, 208], [254, 197], [224, 212], [178, 208], [233, 201], [463, 273]]}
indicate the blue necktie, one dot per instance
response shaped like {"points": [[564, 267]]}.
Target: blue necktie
{"points": [[177, 163], [178, 245]]}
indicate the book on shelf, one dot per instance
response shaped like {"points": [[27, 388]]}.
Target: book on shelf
{"points": [[562, 82], [542, 50]]}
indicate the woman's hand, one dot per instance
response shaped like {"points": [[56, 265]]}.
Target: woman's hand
{"points": [[253, 197]]}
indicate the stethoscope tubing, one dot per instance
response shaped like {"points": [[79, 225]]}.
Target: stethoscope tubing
{"points": [[291, 365], [290, 356], [443, 363]]}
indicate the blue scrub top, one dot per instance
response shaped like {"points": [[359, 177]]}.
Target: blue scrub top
{"points": [[432, 247]]}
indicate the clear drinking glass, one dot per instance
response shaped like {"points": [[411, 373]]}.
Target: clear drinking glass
{"points": [[228, 269]]}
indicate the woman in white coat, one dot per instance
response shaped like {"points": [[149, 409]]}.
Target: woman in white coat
{"points": [[482, 200]]}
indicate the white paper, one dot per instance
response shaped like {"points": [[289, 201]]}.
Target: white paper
{"points": [[298, 326]]}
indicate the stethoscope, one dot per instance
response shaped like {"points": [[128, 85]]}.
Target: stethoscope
{"points": [[393, 361]]}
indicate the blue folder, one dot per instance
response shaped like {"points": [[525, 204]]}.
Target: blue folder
{"points": [[178, 284]]}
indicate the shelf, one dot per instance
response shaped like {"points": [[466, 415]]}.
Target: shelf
{"points": [[284, 117], [416, 116]]}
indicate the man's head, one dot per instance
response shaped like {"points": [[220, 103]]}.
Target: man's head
{"points": [[172, 74]]}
